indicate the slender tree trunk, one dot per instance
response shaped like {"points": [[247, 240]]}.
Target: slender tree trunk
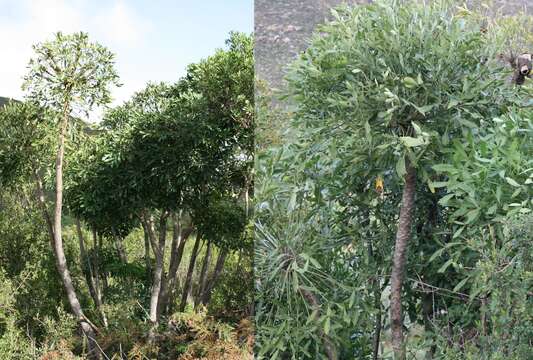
{"points": [[100, 245], [329, 346], [147, 259], [484, 310], [159, 262], [202, 282], [89, 276], [120, 249], [378, 323], [206, 296], [377, 305], [188, 281], [162, 306], [170, 291], [150, 226], [61, 261], [398, 266], [42, 203], [96, 265]]}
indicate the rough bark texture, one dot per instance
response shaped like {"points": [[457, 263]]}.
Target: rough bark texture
{"points": [[399, 258], [329, 346], [188, 281]]}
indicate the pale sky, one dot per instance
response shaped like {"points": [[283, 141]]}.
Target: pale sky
{"points": [[152, 40]]}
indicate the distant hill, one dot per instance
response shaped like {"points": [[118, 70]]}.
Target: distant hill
{"points": [[3, 101]]}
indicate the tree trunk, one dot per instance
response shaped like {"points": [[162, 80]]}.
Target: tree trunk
{"points": [[206, 296], [61, 261], [100, 245], [181, 236], [399, 258], [42, 203], [188, 281], [329, 346], [147, 260], [96, 266], [120, 249], [89, 276], [162, 301], [377, 305], [203, 273], [159, 262]]}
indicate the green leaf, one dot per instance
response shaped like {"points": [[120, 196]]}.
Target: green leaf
{"points": [[453, 103], [411, 141], [445, 266], [436, 254], [416, 127], [400, 167], [327, 325], [499, 194], [472, 215], [409, 82], [460, 285], [440, 184], [512, 182], [445, 199], [468, 123], [419, 79], [424, 109], [458, 232], [352, 300], [443, 168]]}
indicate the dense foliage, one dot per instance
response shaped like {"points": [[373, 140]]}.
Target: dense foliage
{"points": [[155, 224], [383, 91]]}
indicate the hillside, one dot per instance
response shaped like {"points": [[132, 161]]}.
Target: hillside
{"points": [[3, 101]]}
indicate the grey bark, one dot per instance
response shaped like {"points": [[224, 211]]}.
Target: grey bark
{"points": [[179, 239], [202, 281], [61, 261], [96, 266], [147, 259], [120, 249], [206, 296], [42, 204], [159, 251], [399, 259], [188, 281], [89, 276]]}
